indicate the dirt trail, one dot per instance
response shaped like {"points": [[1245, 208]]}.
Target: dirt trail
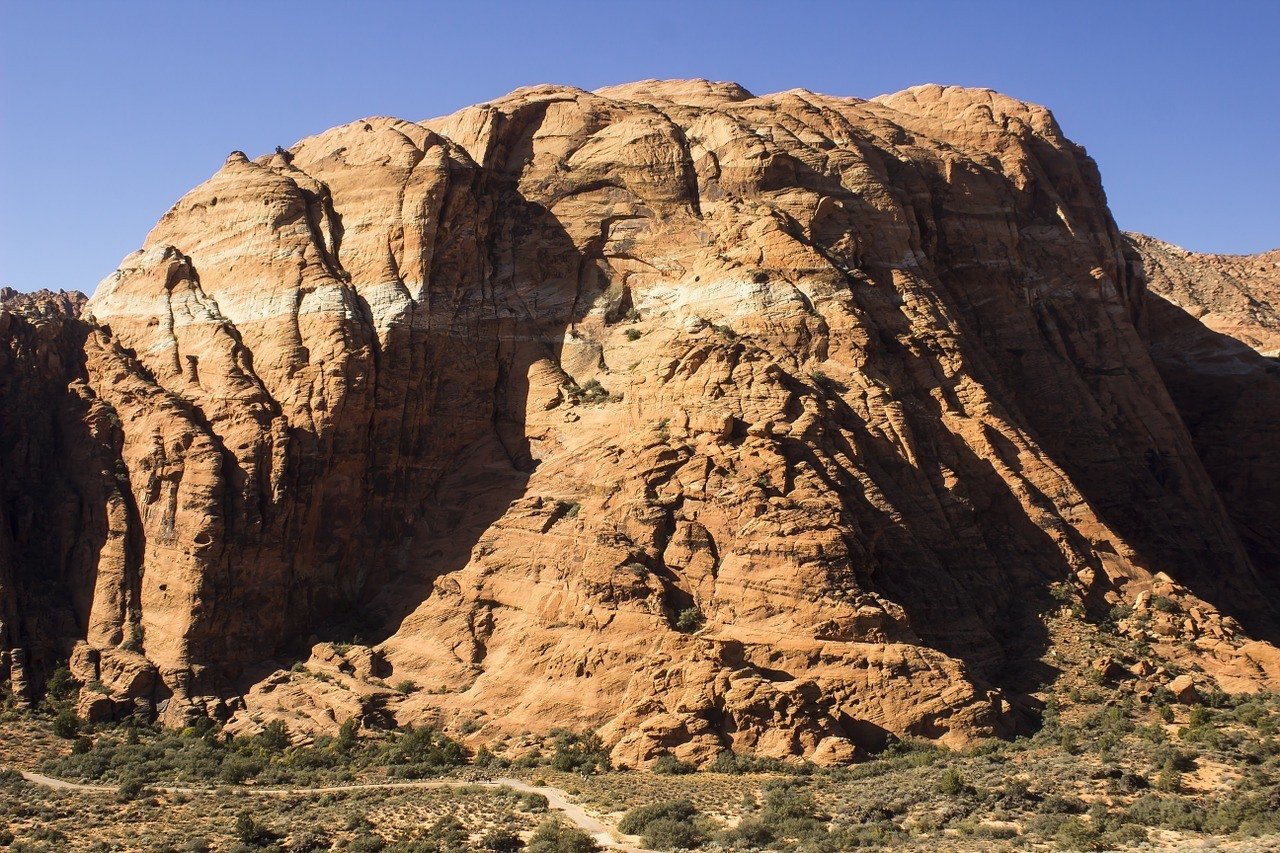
{"points": [[558, 800]]}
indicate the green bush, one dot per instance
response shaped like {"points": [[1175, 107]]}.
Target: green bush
{"points": [[61, 685], [534, 802], [1062, 804], [448, 833], [635, 821], [553, 835], [501, 840], [309, 841], [952, 783], [370, 843], [274, 737], [579, 753], [689, 620], [1075, 834], [669, 765], [66, 724], [1167, 813], [237, 769], [130, 789], [751, 832], [250, 831], [669, 834], [423, 751], [737, 763]]}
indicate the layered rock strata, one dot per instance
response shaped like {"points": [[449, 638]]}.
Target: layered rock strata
{"points": [[706, 419]]}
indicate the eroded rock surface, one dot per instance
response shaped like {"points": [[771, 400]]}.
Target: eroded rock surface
{"points": [[1214, 333], [703, 418]]}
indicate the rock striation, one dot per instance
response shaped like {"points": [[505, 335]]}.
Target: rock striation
{"points": [[709, 420]]}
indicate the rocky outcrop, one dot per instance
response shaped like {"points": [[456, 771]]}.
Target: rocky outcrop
{"points": [[1237, 296], [702, 418], [1214, 335]]}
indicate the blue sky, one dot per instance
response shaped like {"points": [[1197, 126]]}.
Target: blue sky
{"points": [[110, 111]]}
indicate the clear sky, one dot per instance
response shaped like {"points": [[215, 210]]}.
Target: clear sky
{"points": [[110, 111]]}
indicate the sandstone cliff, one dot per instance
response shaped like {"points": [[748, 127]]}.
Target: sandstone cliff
{"points": [[781, 423], [1214, 334]]}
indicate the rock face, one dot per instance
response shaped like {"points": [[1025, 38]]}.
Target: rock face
{"points": [[1213, 323], [703, 418], [1237, 296]]}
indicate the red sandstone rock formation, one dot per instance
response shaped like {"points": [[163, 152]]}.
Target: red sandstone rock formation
{"points": [[704, 418]]}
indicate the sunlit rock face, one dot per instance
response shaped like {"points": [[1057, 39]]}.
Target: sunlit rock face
{"points": [[705, 419]]}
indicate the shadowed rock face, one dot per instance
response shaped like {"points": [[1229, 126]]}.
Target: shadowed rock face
{"points": [[704, 418], [1213, 323]]}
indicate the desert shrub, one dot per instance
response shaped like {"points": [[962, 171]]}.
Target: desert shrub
{"points": [[1124, 836], [358, 822], [1062, 804], [952, 783], [1245, 813], [130, 788], [1107, 728], [1179, 760], [750, 832], [348, 737], [736, 763], [446, 834], [579, 753], [791, 813], [1249, 713], [47, 835], [1169, 779], [669, 825], [61, 685], [669, 834], [236, 769], [501, 840], [553, 835], [370, 843], [422, 751], [914, 752], [1131, 783], [485, 757], [593, 392], [250, 831], [1076, 834], [66, 724], [725, 330], [1166, 813], [568, 509], [669, 765], [633, 335], [274, 737], [689, 620], [635, 821], [1015, 793], [534, 802], [309, 841]]}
